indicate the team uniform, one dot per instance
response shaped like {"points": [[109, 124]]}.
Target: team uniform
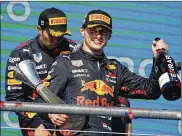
{"points": [[17, 91], [84, 79]]}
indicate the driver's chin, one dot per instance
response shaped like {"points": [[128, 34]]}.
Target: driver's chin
{"points": [[97, 46], [51, 46]]}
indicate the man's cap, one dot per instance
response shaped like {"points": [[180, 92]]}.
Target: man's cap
{"points": [[55, 21], [98, 18]]}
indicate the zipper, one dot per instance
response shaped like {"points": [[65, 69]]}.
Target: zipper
{"points": [[98, 65]]}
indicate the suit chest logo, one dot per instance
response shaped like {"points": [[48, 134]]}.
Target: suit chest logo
{"points": [[77, 63], [37, 57]]}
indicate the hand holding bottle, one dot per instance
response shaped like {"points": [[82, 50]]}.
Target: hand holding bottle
{"points": [[169, 80]]}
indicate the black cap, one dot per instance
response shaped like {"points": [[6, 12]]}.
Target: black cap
{"points": [[55, 20], [96, 18]]}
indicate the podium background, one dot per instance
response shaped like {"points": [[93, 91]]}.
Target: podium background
{"points": [[135, 25]]}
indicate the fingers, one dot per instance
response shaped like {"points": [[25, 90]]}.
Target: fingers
{"points": [[160, 45], [58, 122], [63, 115], [154, 43], [58, 119], [157, 45]]}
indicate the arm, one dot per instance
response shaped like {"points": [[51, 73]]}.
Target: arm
{"points": [[56, 80], [134, 86], [57, 76], [128, 128], [73, 45], [12, 86], [15, 90]]}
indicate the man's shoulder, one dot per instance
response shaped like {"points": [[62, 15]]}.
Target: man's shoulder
{"points": [[68, 57], [113, 64], [70, 41], [113, 61], [73, 45], [25, 44]]}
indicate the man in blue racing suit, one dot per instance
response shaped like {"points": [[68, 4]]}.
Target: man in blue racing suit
{"points": [[88, 77], [43, 49]]}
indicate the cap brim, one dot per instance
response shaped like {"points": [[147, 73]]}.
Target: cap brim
{"points": [[58, 33], [94, 25]]}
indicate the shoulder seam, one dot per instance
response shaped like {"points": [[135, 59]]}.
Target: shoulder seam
{"points": [[24, 44]]}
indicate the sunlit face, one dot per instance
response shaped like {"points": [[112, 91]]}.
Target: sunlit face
{"points": [[49, 41], [96, 38]]}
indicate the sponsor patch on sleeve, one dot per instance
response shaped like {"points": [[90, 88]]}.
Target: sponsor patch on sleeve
{"points": [[13, 82], [10, 74]]}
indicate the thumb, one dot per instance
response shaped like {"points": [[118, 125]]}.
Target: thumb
{"points": [[154, 43]]}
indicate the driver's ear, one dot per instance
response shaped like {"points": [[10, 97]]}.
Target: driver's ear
{"points": [[82, 31], [39, 29]]}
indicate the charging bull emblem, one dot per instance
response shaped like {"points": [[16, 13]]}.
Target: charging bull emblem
{"points": [[98, 86]]}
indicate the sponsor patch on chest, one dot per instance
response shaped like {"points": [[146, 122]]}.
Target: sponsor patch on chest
{"points": [[37, 57], [77, 63]]}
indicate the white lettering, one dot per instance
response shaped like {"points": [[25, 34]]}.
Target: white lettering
{"points": [[13, 60], [42, 66], [167, 56], [170, 64], [80, 70], [173, 75], [169, 61], [14, 87], [42, 72], [11, 67], [81, 75], [26, 50]]}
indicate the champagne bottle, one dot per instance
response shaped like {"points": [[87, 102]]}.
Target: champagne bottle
{"points": [[169, 79]]}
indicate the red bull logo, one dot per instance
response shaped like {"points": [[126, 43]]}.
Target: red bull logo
{"points": [[98, 86], [99, 101]]}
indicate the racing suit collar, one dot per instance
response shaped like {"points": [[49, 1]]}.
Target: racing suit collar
{"points": [[43, 48], [90, 56], [41, 45]]}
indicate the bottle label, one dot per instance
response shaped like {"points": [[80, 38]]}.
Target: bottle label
{"points": [[164, 78]]}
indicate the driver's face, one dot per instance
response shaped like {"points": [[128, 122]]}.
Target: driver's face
{"points": [[49, 41], [96, 38]]}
